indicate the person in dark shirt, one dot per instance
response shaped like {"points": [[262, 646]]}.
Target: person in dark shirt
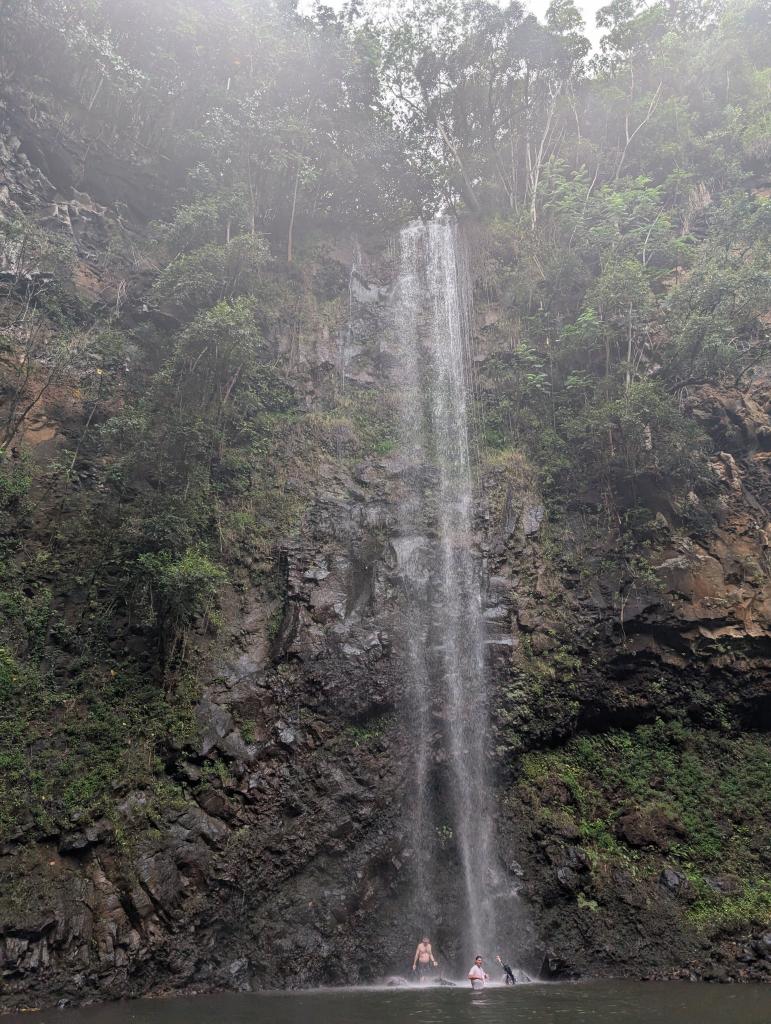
{"points": [[507, 971]]}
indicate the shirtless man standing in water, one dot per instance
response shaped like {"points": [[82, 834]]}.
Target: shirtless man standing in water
{"points": [[423, 957]]}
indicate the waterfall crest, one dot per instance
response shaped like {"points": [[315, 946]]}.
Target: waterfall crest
{"points": [[449, 793]]}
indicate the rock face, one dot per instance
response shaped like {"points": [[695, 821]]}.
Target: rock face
{"points": [[271, 854], [613, 660], [270, 872]]}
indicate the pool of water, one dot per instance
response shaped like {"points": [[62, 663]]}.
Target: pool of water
{"points": [[596, 1002]]}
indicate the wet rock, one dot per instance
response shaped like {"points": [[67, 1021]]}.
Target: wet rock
{"points": [[287, 736], [716, 973], [532, 517], [568, 879], [553, 791], [160, 878], [216, 722], [497, 613], [565, 827], [78, 841], [234, 745], [238, 966], [555, 966], [576, 859], [316, 574], [246, 664], [674, 882], [196, 823], [365, 292], [529, 619]]}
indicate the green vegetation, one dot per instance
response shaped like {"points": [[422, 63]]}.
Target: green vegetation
{"points": [[369, 732], [698, 800], [358, 424], [175, 592], [68, 751], [625, 243], [595, 393]]}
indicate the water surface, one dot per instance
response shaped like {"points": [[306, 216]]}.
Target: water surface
{"points": [[595, 1002]]}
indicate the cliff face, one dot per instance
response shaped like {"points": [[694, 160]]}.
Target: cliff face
{"points": [[643, 707], [260, 841]]}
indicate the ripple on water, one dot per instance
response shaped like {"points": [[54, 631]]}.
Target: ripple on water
{"points": [[598, 1002]]}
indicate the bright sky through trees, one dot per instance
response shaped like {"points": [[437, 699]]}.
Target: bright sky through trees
{"points": [[588, 9]]}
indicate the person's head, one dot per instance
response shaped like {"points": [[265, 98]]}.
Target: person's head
{"points": [[425, 939], [498, 958], [478, 961]]}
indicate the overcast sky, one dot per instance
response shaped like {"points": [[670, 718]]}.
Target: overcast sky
{"points": [[587, 7]]}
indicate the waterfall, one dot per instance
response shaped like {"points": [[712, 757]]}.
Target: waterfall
{"points": [[449, 799]]}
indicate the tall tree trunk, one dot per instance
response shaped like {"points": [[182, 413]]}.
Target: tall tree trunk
{"points": [[466, 187], [290, 236]]}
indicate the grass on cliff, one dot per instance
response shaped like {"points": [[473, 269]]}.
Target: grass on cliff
{"points": [[357, 424], [69, 751], [700, 802]]}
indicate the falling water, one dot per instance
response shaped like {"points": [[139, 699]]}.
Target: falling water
{"points": [[444, 629], [414, 558]]}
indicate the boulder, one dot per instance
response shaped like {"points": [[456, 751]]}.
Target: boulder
{"points": [[652, 826], [674, 882]]}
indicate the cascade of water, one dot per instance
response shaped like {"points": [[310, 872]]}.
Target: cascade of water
{"points": [[444, 626], [413, 560]]}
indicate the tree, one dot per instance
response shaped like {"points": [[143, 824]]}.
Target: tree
{"points": [[176, 591]]}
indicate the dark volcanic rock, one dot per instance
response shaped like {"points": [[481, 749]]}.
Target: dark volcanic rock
{"points": [[674, 882], [649, 827]]}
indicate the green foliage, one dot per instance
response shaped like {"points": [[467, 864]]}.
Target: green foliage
{"points": [[42, 259], [15, 480], [587, 904], [717, 913], [176, 591], [709, 786], [211, 274], [445, 837], [716, 315], [66, 749], [616, 330], [357, 424], [641, 434], [254, 101], [369, 732], [208, 219], [196, 457]]}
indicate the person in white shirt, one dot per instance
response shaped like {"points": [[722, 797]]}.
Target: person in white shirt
{"points": [[477, 975]]}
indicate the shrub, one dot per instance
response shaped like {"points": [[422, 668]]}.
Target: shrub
{"points": [[176, 591]]}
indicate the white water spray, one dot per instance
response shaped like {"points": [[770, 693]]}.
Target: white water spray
{"points": [[444, 639]]}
